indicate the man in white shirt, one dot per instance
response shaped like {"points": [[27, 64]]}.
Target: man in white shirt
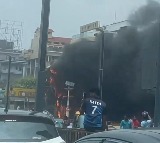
{"points": [[147, 121]]}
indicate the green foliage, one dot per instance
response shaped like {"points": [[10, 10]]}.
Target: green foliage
{"points": [[27, 82]]}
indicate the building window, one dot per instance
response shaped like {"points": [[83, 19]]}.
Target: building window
{"points": [[60, 48], [7, 58], [56, 42], [4, 68], [50, 48], [55, 48], [52, 58], [20, 68], [13, 58], [49, 42]]}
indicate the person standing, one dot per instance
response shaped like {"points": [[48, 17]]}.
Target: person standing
{"points": [[94, 110], [66, 121], [125, 123], [135, 123], [18, 107], [146, 120]]}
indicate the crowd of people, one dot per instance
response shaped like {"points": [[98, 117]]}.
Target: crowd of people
{"points": [[95, 119], [133, 123]]}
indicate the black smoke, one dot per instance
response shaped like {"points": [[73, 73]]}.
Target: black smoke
{"points": [[129, 69]]}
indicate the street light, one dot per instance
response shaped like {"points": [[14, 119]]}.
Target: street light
{"points": [[70, 86], [101, 61]]}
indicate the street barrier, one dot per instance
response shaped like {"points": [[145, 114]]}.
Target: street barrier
{"points": [[70, 135]]}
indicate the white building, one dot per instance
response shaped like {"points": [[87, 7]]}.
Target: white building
{"points": [[17, 65], [86, 35], [89, 32], [115, 27]]}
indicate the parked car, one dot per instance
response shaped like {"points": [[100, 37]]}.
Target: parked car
{"points": [[27, 126], [123, 136]]}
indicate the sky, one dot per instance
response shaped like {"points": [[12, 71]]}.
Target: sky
{"points": [[66, 16]]}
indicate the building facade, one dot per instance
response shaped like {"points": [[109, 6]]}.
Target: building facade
{"points": [[17, 64], [88, 31], [115, 27], [54, 50]]}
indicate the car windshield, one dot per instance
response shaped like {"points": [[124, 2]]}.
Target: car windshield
{"points": [[27, 128]]}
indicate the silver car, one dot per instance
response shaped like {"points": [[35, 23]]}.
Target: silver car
{"points": [[123, 136]]}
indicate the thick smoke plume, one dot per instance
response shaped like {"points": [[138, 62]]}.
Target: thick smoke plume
{"points": [[129, 57]]}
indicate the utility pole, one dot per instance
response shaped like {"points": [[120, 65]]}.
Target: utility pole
{"points": [[101, 61], [101, 66], [40, 98], [157, 94], [8, 85]]}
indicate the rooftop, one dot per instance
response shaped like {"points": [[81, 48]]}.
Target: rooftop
{"points": [[60, 39], [116, 26], [50, 30]]}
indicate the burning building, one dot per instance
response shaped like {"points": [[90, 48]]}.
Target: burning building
{"points": [[129, 69]]}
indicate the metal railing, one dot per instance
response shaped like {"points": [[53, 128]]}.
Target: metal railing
{"points": [[71, 135]]}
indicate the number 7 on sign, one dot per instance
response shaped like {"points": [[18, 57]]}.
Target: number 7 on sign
{"points": [[94, 109]]}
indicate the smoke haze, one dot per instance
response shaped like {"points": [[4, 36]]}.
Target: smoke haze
{"points": [[129, 66]]}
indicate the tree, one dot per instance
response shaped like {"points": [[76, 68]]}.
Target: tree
{"points": [[27, 82]]}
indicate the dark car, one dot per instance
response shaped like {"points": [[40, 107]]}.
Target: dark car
{"points": [[123, 136], [27, 126]]}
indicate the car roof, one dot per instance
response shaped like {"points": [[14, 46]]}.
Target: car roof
{"points": [[23, 113], [134, 136]]}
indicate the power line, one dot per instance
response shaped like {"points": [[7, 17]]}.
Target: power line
{"points": [[12, 31]]}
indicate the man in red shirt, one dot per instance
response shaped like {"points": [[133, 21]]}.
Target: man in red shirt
{"points": [[135, 123]]}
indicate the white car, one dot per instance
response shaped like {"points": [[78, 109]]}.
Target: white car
{"points": [[27, 126]]}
